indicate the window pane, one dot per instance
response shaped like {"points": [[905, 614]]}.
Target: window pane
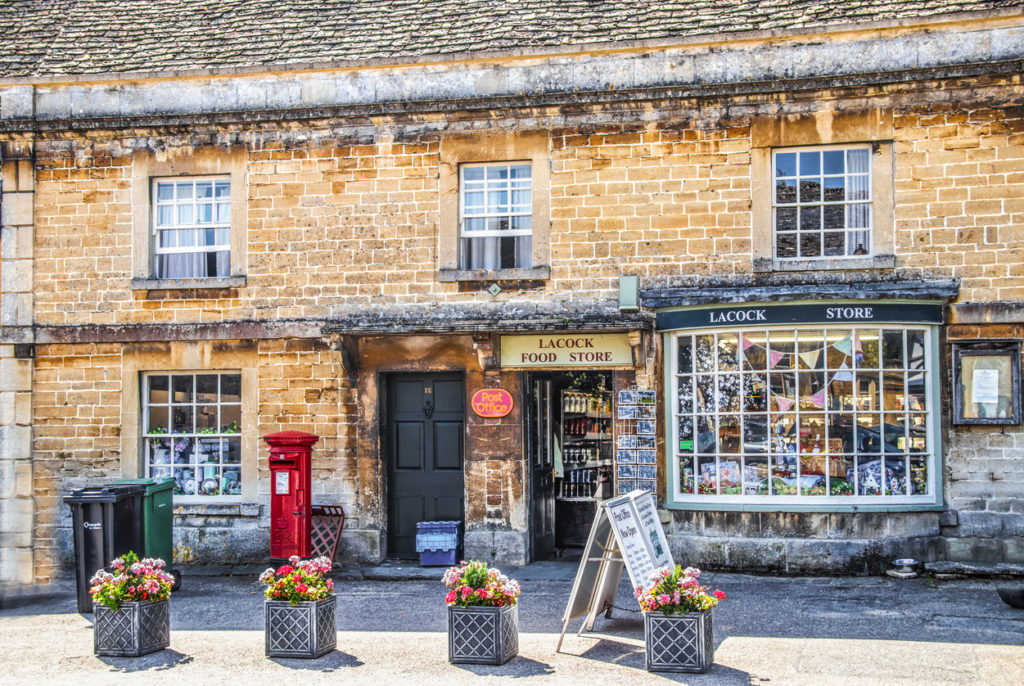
{"points": [[858, 216], [810, 244], [786, 245], [892, 349], [184, 214], [858, 160], [204, 189], [785, 191], [835, 189], [786, 219], [231, 388], [705, 353], [230, 419], [182, 419], [223, 213], [184, 190], [835, 243], [223, 189], [754, 351], [157, 420], [810, 218], [165, 215], [810, 163], [205, 214], [785, 164], [521, 171], [497, 172], [181, 386], [810, 190], [473, 173], [164, 191], [833, 161], [835, 217], [684, 363]]}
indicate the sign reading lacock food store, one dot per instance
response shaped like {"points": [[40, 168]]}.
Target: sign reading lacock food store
{"points": [[567, 350]]}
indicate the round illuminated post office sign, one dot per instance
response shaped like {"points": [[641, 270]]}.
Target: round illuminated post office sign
{"points": [[492, 402]]}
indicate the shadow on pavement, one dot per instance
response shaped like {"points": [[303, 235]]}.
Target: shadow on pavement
{"points": [[516, 668], [164, 659], [331, 662]]}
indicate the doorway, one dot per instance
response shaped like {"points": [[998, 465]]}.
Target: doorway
{"points": [[425, 429], [568, 428]]}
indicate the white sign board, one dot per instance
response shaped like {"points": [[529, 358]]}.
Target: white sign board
{"points": [[626, 532]]}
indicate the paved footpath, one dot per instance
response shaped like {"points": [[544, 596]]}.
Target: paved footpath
{"points": [[391, 630]]}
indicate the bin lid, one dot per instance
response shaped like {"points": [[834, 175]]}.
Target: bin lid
{"points": [[152, 485], [107, 493]]}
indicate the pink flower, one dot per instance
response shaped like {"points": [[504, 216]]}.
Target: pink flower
{"points": [[720, 595], [284, 570]]}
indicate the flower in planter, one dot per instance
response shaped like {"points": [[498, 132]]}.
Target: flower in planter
{"points": [[472, 583], [132, 580], [299, 581], [677, 592]]}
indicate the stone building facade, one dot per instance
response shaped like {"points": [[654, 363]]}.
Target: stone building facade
{"points": [[285, 243]]}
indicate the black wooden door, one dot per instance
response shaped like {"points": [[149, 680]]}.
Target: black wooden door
{"points": [[425, 428], [540, 442]]}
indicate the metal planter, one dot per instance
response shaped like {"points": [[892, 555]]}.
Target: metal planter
{"points": [[483, 635], [305, 630], [136, 628], [679, 643]]}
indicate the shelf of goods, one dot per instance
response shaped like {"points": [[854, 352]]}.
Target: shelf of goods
{"points": [[586, 434]]}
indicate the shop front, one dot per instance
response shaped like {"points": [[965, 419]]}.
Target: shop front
{"points": [[794, 427], [574, 388]]}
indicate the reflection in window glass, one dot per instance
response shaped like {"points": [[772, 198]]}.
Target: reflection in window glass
{"points": [[804, 413], [821, 204]]}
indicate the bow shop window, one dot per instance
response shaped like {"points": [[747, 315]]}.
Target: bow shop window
{"points": [[809, 415]]}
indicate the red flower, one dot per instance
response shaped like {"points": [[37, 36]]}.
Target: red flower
{"points": [[284, 570], [720, 595]]}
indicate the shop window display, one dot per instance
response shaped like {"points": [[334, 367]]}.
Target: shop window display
{"points": [[809, 414], [192, 432]]}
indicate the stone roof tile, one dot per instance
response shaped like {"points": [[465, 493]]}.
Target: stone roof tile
{"points": [[75, 37]]}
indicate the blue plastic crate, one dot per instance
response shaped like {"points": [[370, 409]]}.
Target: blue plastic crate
{"points": [[438, 543]]}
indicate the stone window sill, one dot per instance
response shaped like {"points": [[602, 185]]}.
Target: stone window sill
{"points": [[534, 273], [139, 284], [221, 509], [767, 264]]}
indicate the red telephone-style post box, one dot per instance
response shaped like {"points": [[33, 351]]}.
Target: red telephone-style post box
{"points": [[290, 498]]}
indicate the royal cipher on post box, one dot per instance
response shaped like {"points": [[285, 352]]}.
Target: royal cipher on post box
{"points": [[290, 498]]}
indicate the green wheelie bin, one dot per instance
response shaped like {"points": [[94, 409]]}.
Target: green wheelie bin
{"points": [[157, 521]]}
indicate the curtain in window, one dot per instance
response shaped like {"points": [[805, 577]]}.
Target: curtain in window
{"points": [[193, 265]]}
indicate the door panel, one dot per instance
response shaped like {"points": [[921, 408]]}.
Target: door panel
{"points": [[425, 428], [409, 445], [448, 445]]}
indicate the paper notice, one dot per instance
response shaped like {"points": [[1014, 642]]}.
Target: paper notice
{"points": [[985, 386]]}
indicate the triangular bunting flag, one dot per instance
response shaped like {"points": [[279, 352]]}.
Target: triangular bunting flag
{"points": [[857, 347], [843, 374], [811, 358], [843, 345], [818, 399], [784, 404], [745, 342], [774, 357]]}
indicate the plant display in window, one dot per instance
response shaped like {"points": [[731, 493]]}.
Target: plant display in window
{"points": [[194, 422]]}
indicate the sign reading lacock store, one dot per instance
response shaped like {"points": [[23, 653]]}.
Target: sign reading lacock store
{"points": [[587, 350], [805, 405]]}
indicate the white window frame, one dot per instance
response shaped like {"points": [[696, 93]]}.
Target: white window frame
{"points": [[195, 225], [486, 187], [155, 467], [867, 243], [800, 501]]}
